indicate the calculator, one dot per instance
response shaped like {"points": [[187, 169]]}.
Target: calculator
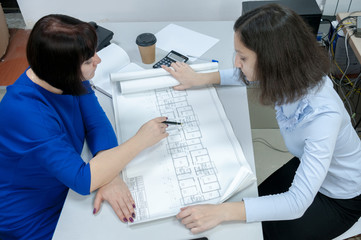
{"points": [[172, 56]]}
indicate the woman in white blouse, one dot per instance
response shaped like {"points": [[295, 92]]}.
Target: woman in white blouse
{"points": [[316, 195]]}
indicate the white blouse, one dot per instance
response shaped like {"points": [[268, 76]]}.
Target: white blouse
{"points": [[317, 129]]}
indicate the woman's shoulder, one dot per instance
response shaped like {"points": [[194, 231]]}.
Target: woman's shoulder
{"points": [[24, 109], [319, 100], [22, 96], [324, 97]]}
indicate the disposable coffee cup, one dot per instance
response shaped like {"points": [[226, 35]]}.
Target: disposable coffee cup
{"points": [[146, 44]]}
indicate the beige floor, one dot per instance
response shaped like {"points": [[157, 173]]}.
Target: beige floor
{"points": [[268, 160]]}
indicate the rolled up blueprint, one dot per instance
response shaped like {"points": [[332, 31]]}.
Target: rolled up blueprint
{"points": [[131, 82]]}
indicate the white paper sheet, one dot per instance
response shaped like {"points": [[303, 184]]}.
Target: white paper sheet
{"points": [[113, 59], [200, 162], [184, 40]]}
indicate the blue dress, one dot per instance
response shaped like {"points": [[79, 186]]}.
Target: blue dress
{"points": [[41, 139]]}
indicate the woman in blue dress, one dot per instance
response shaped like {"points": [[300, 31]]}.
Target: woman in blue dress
{"points": [[46, 116]]}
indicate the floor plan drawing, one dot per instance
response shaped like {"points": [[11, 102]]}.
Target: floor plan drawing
{"points": [[196, 163], [196, 174]]}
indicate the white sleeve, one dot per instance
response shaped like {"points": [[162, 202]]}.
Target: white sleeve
{"points": [[230, 77], [319, 145]]}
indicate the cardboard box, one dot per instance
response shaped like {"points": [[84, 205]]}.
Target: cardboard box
{"points": [[4, 33]]}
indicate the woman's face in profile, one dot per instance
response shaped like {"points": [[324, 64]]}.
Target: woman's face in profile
{"points": [[89, 66], [245, 58]]}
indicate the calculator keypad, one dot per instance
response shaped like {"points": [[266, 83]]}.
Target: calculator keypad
{"points": [[165, 61]]}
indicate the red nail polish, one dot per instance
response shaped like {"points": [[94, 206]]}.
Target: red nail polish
{"points": [[133, 215], [125, 220], [131, 219], [94, 210], [133, 205]]}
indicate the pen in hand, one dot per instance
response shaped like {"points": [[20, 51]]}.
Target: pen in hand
{"points": [[172, 123]]}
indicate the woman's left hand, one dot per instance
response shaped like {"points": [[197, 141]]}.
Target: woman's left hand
{"points": [[186, 76], [119, 197], [199, 218]]}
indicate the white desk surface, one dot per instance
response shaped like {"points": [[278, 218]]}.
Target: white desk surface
{"points": [[77, 220]]}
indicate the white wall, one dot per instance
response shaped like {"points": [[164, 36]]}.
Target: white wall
{"points": [[332, 7], [154, 10], [132, 10]]}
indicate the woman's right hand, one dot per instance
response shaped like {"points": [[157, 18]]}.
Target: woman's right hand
{"points": [[152, 132]]}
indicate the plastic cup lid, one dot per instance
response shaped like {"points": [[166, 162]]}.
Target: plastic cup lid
{"points": [[146, 39]]}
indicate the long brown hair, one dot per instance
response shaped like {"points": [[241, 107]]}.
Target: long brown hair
{"points": [[289, 61]]}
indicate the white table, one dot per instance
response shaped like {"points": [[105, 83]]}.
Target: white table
{"points": [[77, 220]]}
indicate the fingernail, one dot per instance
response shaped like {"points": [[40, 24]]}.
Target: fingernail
{"points": [[94, 210], [131, 219], [125, 220], [133, 205], [166, 117], [133, 215]]}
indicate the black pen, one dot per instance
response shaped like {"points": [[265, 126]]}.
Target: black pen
{"points": [[172, 123]]}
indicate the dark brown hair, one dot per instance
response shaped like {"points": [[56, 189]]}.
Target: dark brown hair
{"points": [[57, 47], [289, 60]]}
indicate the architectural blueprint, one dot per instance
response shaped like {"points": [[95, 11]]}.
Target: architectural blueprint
{"points": [[201, 161]]}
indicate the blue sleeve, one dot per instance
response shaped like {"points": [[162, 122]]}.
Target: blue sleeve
{"points": [[62, 161], [100, 134], [230, 77]]}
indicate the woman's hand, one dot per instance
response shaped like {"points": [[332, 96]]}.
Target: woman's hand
{"points": [[118, 195], [152, 132], [188, 78], [185, 75], [199, 218]]}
